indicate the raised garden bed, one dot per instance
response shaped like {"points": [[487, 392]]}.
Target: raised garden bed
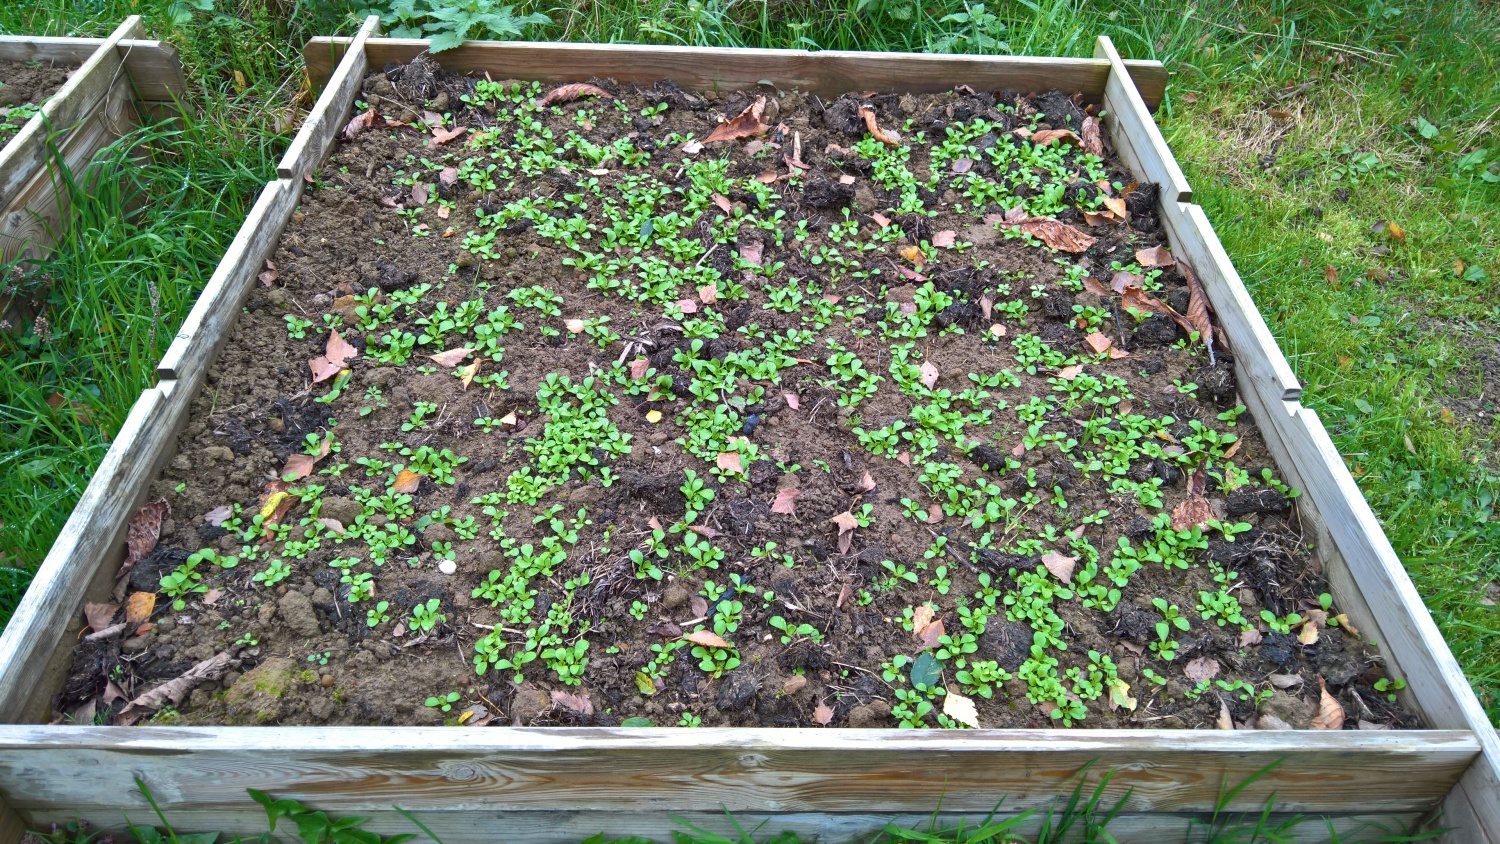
{"points": [[112, 82], [807, 780]]}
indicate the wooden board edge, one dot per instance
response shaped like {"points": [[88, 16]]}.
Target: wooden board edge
{"points": [[1130, 115], [212, 316], [56, 591], [26, 153], [321, 55], [12, 827], [155, 70], [478, 826], [1195, 242], [741, 769], [47, 48], [320, 129]]}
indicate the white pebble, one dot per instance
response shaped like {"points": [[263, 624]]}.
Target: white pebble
{"points": [[447, 567]]}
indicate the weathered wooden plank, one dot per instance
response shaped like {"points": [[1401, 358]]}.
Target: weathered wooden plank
{"points": [[12, 828], [41, 48], [26, 154], [1129, 120], [478, 826], [206, 328], [96, 526], [1193, 240], [155, 70], [354, 769], [827, 73], [321, 128], [32, 219]]}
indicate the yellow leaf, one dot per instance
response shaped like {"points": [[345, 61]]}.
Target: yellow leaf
{"points": [[466, 373], [272, 502], [961, 709], [653, 416], [1119, 695], [139, 607]]}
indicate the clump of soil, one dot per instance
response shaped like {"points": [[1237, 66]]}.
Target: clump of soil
{"points": [[558, 414], [24, 87]]}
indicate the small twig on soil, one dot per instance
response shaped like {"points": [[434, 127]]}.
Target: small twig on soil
{"points": [[705, 256], [105, 633]]}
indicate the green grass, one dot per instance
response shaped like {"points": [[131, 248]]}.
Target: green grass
{"points": [[1388, 359]]}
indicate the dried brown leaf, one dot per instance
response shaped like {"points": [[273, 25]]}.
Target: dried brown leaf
{"points": [[100, 616], [746, 124], [1330, 714], [1052, 136], [751, 251], [930, 374], [1091, 141], [580, 704], [1225, 721], [729, 461], [140, 538], [793, 401], [443, 136], [407, 482], [1202, 669], [174, 690], [931, 634], [866, 482], [571, 92], [945, 239], [822, 715], [358, 124], [845, 521], [337, 353], [1156, 256], [1098, 342], [723, 202], [706, 638], [785, 501], [1055, 234], [448, 177], [419, 194], [1197, 310], [638, 368], [885, 136], [1059, 565], [451, 357]]}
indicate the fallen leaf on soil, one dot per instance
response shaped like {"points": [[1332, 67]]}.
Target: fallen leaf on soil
{"points": [[358, 124], [845, 521], [934, 513], [961, 709], [644, 684], [407, 482], [1094, 219], [945, 239], [1396, 232], [1197, 310], [1050, 136], [218, 515], [580, 704], [822, 715], [1314, 620], [419, 194], [448, 177], [723, 202], [846, 179], [574, 91], [704, 531], [687, 306], [1116, 206], [708, 294], [99, 616], [743, 125], [443, 136], [792, 401], [930, 374], [333, 524], [1371, 725], [574, 326], [1056, 235], [706, 638], [729, 462], [336, 354], [1091, 141], [213, 595], [1194, 510], [1343, 621], [1267, 721], [1098, 342], [1249, 637], [299, 466], [932, 634], [912, 254], [751, 251], [638, 368], [904, 458], [1330, 714], [885, 136], [1068, 373], [1119, 695], [963, 165], [1225, 721], [653, 416], [692, 147], [466, 373], [880, 219], [140, 538], [785, 501], [174, 690], [1061, 566], [451, 357], [921, 616], [845, 593], [1092, 285], [1202, 669], [866, 483], [1284, 681], [664, 629], [1156, 256]]}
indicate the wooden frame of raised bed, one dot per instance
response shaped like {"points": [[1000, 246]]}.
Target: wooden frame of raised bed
{"points": [[540, 784], [119, 79]]}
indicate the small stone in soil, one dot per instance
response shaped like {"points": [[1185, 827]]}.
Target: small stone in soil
{"points": [[447, 567]]}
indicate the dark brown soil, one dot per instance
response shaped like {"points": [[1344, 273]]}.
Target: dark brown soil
{"points": [[25, 84], [306, 653]]}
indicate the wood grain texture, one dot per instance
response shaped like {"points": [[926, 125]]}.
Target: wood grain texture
{"points": [[96, 525], [1255, 349], [155, 70], [41, 48], [826, 73], [26, 154], [32, 219], [321, 128], [12, 828], [355, 769], [1138, 140], [480, 825], [207, 326], [1366, 577]]}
